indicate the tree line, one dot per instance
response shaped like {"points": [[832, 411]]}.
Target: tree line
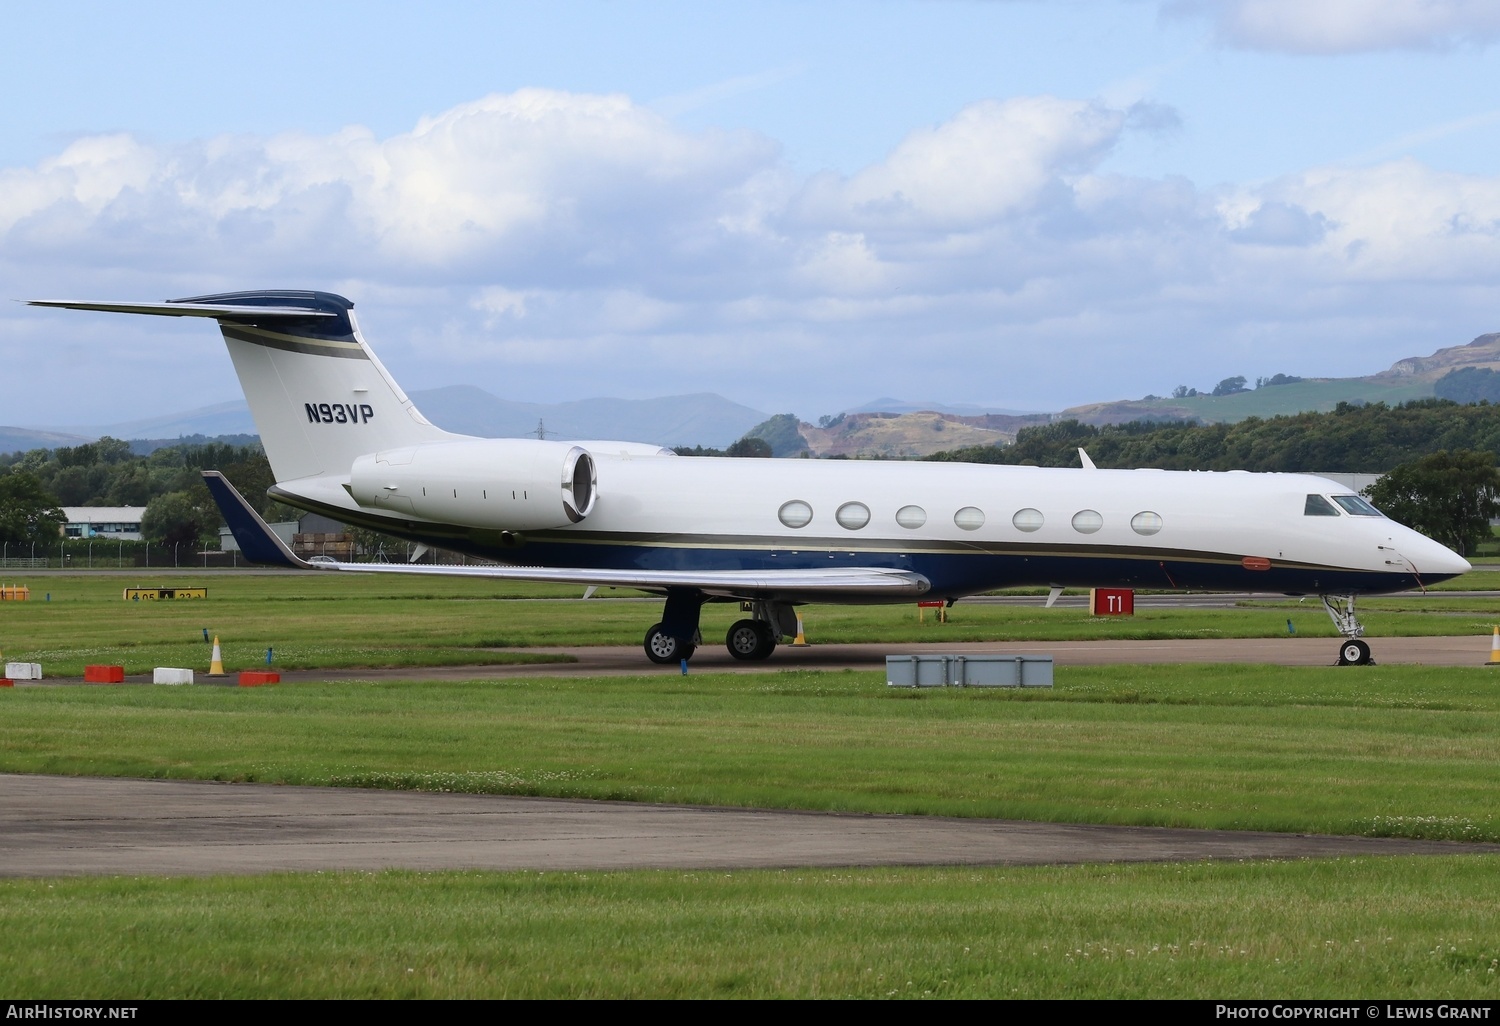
{"points": [[1356, 439], [34, 485]]}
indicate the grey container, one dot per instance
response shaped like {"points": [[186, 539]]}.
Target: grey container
{"points": [[968, 671]]}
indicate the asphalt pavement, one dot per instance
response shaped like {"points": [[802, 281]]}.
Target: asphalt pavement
{"points": [[72, 826]]}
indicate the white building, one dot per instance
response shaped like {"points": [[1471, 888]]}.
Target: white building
{"points": [[1354, 482], [117, 523]]}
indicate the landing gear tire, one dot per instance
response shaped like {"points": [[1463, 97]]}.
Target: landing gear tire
{"points": [[1354, 653], [663, 648], [749, 640]]}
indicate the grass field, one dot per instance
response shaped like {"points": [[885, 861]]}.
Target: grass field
{"points": [[1388, 751], [1386, 928], [1319, 395], [335, 621], [1391, 751]]}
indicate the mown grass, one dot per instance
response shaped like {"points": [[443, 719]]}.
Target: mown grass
{"points": [[1338, 928], [310, 622], [1386, 751], [328, 621]]}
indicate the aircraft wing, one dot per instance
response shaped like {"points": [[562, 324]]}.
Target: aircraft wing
{"points": [[260, 545]]}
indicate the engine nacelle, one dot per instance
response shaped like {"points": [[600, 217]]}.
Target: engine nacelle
{"points": [[507, 484]]}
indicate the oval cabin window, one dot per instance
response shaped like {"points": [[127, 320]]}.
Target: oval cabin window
{"points": [[1028, 520], [970, 518], [911, 517], [795, 513], [1145, 523], [1087, 521], [852, 515]]}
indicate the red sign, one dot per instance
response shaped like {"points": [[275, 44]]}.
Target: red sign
{"points": [[1112, 602]]}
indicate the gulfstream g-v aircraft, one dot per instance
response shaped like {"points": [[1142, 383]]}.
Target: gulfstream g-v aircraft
{"points": [[345, 441]]}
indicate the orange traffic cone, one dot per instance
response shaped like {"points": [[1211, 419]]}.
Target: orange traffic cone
{"points": [[1495, 650], [801, 639], [216, 663]]}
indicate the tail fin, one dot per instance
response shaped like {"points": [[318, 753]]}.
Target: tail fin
{"points": [[319, 396]]}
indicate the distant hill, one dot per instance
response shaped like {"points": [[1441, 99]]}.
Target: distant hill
{"points": [[230, 418], [912, 434], [1414, 377], [702, 418], [1312, 395], [16, 439], [883, 427], [886, 404], [698, 419]]}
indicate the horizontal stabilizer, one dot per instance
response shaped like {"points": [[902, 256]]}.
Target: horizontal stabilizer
{"points": [[260, 545], [216, 311]]}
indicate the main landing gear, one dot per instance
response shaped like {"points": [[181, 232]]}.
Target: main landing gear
{"points": [[661, 647], [677, 636], [750, 640], [1352, 651]]}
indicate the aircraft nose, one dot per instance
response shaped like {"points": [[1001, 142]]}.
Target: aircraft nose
{"points": [[1433, 559]]}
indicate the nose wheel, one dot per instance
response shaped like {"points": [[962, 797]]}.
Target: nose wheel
{"points": [[1354, 653]]}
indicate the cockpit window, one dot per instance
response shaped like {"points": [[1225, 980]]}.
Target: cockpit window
{"points": [[1356, 506], [1317, 506]]}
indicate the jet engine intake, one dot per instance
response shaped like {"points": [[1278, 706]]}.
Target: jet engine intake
{"points": [[506, 484]]}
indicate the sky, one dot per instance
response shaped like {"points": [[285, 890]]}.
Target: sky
{"points": [[800, 206]]}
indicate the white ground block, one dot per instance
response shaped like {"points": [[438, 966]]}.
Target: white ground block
{"points": [[23, 671], [171, 675]]}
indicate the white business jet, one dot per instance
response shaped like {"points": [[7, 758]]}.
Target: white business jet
{"points": [[345, 441]]}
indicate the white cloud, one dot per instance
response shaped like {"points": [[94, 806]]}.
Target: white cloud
{"points": [[518, 179], [553, 245], [993, 159], [1346, 26]]}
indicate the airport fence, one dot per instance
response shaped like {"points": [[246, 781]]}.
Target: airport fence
{"points": [[109, 554]]}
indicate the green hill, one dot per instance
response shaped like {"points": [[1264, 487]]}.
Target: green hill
{"points": [[1412, 378]]}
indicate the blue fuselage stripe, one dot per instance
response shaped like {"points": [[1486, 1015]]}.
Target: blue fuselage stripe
{"points": [[955, 574]]}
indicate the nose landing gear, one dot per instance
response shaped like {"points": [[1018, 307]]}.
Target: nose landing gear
{"points": [[1353, 651]]}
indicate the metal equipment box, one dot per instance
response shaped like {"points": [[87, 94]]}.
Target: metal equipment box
{"points": [[968, 671]]}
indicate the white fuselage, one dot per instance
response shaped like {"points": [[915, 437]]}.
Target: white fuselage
{"points": [[968, 527]]}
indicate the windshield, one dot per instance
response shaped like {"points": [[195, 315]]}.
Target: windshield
{"points": [[1356, 506], [1317, 506]]}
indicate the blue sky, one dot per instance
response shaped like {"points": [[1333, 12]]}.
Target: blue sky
{"points": [[801, 206]]}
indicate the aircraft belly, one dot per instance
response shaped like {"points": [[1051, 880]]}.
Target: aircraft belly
{"points": [[954, 574]]}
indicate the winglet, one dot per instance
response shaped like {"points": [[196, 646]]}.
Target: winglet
{"points": [[255, 539], [1083, 458]]}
